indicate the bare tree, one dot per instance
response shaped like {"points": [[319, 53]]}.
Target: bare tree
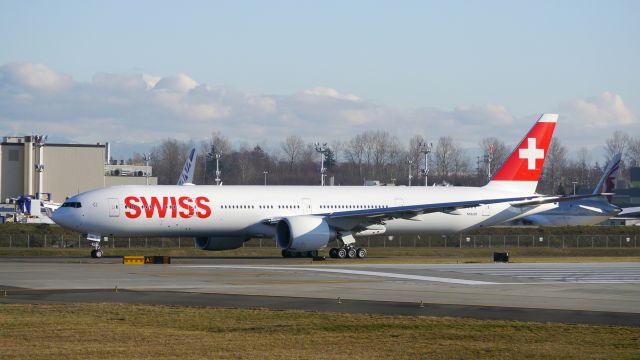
{"points": [[167, 160], [499, 153], [554, 166], [450, 161], [617, 143], [633, 153], [293, 146]]}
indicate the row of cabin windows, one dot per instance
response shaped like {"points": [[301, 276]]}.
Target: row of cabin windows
{"points": [[260, 206], [298, 206], [353, 206]]}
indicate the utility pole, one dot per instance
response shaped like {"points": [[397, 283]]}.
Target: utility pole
{"points": [[147, 158], [322, 149], [265, 177], [39, 141], [489, 161], [426, 150], [410, 162], [218, 172]]}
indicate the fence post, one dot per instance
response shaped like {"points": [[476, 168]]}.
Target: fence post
{"points": [[129, 242], [28, 241], [179, 242], [563, 241], [10, 241], [45, 240]]}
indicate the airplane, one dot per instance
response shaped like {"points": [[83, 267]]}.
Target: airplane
{"points": [[581, 211], [305, 219]]}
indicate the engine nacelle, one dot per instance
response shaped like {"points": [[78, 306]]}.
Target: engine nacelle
{"points": [[303, 233], [218, 243]]}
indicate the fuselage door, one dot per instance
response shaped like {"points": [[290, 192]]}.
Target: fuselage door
{"points": [[486, 210], [114, 207], [306, 206]]}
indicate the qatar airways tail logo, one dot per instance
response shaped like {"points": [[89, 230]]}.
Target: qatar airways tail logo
{"points": [[167, 207]]}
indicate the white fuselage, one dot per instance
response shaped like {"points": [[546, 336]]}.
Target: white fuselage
{"points": [[246, 210]]}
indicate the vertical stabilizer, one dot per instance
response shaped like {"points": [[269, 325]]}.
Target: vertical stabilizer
{"points": [[521, 171], [607, 183], [186, 177]]}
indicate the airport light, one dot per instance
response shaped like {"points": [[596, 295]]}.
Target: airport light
{"points": [[147, 158], [218, 172], [323, 150], [39, 141], [410, 162], [426, 150], [265, 177]]}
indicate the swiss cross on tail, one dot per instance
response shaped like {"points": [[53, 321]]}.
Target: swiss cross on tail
{"points": [[526, 161]]}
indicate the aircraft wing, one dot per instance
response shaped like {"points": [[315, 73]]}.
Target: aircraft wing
{"points": [[553, 199], [411, 211]]}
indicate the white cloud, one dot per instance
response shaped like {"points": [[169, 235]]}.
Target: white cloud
{"points": [[178, 83], [36, 77], [331, 93], [604, 110], [143, 108]]}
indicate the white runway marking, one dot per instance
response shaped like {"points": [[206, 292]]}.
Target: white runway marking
{"points": [[350, 272]]}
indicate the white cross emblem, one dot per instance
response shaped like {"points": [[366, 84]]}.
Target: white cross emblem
{"points": [[531, 153]]}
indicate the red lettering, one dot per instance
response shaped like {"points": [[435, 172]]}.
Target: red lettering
{"points": [[202, 204], [186, 203], [132, 209]]}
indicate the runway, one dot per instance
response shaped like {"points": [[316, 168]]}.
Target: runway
{"points": [[604, 293]]}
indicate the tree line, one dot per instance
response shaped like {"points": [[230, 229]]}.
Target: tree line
{"points": [[378, 155]]}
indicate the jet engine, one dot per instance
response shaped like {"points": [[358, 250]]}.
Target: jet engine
{"points": [[303, 233], [219, 243]]}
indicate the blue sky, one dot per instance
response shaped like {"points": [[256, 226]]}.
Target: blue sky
{"points": [[398, 58]]}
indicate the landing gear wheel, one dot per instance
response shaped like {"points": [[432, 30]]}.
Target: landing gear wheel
{"points": [[361, 253], [99, 253], [351, 253], [93, 254], [313, 253], [333, 253], [286, 253], [342, 253]]}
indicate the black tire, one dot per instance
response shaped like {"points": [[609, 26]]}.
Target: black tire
{"points": [[333, 253], [351, 253], [98, 253], [361, 253], [342, 253], [313, 253], [286, 253], [93, 253]]}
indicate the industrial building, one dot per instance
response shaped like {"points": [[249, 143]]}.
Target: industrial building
{"points": [[29, 166]]}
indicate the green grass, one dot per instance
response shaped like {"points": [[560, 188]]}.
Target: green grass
{"points": [[115, 331]]}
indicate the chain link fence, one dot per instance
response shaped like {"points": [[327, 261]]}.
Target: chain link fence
{"points": [[451, 241]]}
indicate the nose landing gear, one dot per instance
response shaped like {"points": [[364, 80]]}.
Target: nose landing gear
{"points": [[94, 239]]}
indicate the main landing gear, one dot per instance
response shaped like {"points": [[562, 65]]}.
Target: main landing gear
{"points": [[348, 248], [347, 252]]}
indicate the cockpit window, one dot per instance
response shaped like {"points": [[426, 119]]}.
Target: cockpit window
{"points": [[72, 204]]}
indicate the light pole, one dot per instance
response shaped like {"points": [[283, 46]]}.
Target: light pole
{"points": [[410, 162], [426, 150], [218, 172], [574, 186], [39, 141], [265, 177], [147, 158], [322, 149]]}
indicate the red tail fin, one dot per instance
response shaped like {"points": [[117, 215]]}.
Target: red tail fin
{"points": [[526, 161]]}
